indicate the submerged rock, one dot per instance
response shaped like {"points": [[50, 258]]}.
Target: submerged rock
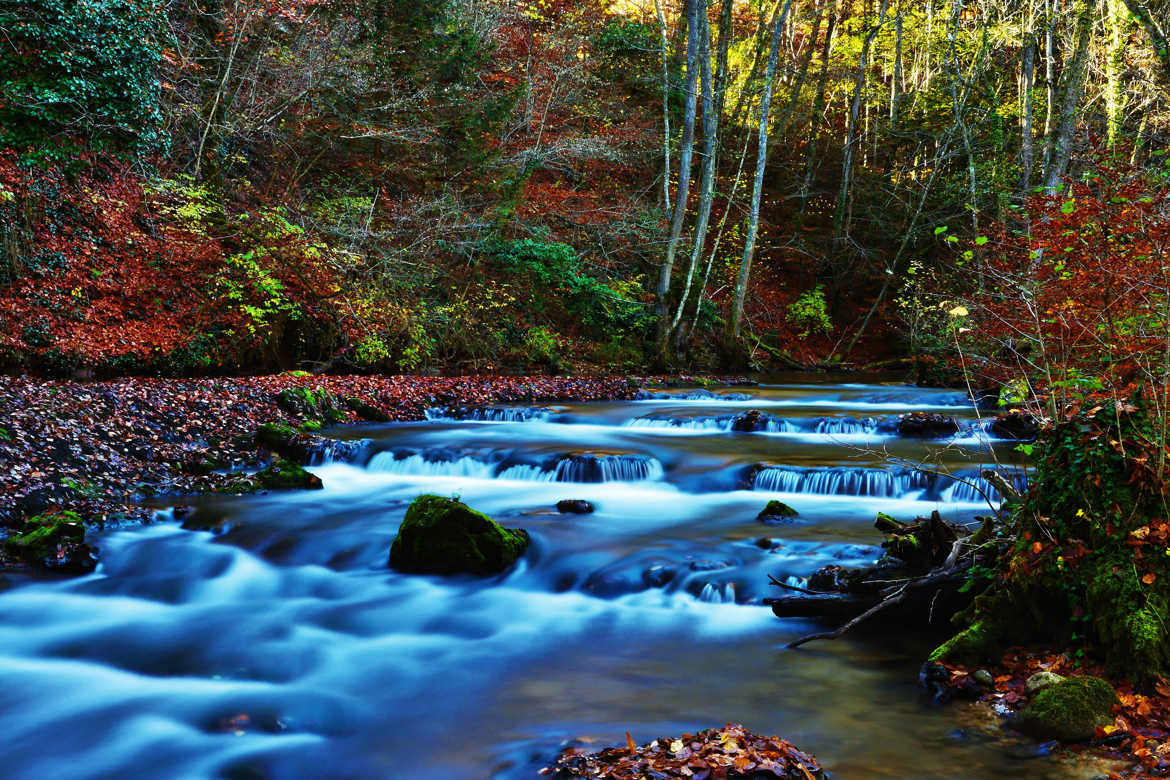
{"points": [[1017, 425], [1070, 710], [574, 506], [925, 425], [286, 475], [776, 512], [444, 536]]}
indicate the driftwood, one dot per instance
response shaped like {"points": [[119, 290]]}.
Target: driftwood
{"points": [[919, 581]]}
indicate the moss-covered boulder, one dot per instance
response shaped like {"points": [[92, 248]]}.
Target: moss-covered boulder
{"points": [[310, 403], [776, 512], [444, 536], [286, 475], [366, 410], [286, 441], [1069, 711], [54, 541]]}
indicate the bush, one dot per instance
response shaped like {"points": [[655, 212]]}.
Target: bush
{"points": [[557, 268], [810, 312], [86, 70]]}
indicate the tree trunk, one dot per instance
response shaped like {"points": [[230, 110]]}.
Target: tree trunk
{"points": [[1114, 19], [665, 105], [818, 107], [841, 219], [1157, 30], [1027, 77], [686, 151], [1074, 82], [710, 147], [749, 247]]}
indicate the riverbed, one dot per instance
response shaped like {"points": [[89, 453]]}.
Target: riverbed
{"points": [[266, 637]]}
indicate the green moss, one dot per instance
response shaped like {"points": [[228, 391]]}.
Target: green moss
{"points": [[313, 404], [311, 426], [1127, 618], [777, 509], [275, 435], [1070, 710], [286, 475], [44, 537], [988, 621], [444, 536]]}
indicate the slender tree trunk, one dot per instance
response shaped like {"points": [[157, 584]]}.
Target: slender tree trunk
{"points": [[686, 151], [749, 248], [710, 147], [1027, 77], [665, 105], [1074, 82], [896, 80], [1114, 22], [1157, 29], [841, 219], [1049, 80], [801, 76], [818, 107]]}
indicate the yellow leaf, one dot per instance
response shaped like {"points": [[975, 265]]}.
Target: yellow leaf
{"points": [[959, 311], [1149, 578]]}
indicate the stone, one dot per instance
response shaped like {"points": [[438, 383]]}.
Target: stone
{"points": [[776, 512], [1016, 425], [445, 536], [925, 425], [747, 422], [984, 678], [1070, 710], [574, 506], [1040, 681], [54, 541], [286, 475]]}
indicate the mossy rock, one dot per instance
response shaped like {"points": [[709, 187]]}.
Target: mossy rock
{"points": [[285, 440], [366, 410], [53, 541], [444, 536], [1070, 710], [310, 403], [286, 475], [776, 512]]}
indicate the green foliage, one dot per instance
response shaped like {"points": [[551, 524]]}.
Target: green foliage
{"points": [[84, 70], [540, 346], [629, 52], [810, 312], [556, 267]]}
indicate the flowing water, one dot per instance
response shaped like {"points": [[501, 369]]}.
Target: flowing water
{"points": [[266, 637]]}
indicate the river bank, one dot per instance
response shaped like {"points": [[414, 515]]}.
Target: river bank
{"points": [[100, 448]]}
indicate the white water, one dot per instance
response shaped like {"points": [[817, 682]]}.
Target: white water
{"points": [[282, 646]]}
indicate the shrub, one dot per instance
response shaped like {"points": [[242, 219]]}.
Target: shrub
{"points": [[810, 313], [87, 70]]}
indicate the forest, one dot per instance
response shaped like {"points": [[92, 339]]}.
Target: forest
{"points": [[870, 257]]}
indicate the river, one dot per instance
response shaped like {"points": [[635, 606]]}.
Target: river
{"points": [[266, 637]]}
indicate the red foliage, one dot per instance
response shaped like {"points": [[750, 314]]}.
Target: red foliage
{"points": [[1079, 295]]}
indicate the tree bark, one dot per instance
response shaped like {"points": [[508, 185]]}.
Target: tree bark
{"points": [[686, 151], [749, 248], [841, 219], [1074, 82]]}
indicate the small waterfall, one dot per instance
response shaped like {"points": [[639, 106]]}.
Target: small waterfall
{"points": [[975, 489], [337, 451], [693, 395], [526, 472], [489, 414], [431, 464], [607, 468], [713, 594], [841, 426], [713, 424], [721, 424], [842, 481]]}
